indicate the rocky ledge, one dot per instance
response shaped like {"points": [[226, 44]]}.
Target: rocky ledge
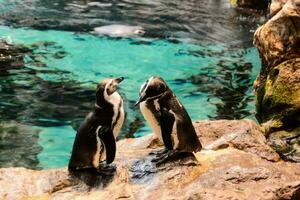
{"points": [[237, 163]]}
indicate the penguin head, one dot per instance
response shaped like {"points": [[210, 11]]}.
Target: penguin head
{"points": [[152, 89], [108, 86]]}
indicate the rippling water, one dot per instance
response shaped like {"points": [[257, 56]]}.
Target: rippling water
{"points": [[203, 49]]}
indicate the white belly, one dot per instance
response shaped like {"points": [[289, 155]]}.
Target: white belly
{"points": [[120, 121], [116, 100], [174, 132], [99, 152], [155, 125], [149, 117]]}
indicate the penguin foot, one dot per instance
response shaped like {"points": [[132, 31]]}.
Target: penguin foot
{"points": [[106, 170], [159, 152], [173, 156]]}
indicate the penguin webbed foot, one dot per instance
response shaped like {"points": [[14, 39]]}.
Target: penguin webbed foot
{"points": [[162, 157], [160, 152], [106, 169], [172, 156]]}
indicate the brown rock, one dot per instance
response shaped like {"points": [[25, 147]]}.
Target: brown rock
{"points": [[227, 173], [278, 39], [277, 88], [279, 99], [286, 142], [245, 135], [276, 6]]}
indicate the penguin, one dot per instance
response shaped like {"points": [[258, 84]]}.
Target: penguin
{"points": [[167, 117], [95, 140]]}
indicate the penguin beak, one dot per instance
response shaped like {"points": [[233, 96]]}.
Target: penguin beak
{"points": [[137, 103], [119, 80], [140, 100]]}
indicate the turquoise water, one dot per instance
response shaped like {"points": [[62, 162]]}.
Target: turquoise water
{"points": [[57, 144], [202, 49], [88, 59]]}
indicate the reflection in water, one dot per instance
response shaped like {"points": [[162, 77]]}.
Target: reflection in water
{"points": [[11, 57], [192, 20], [228, 85], [18, 146], [36, 101], [227, 82], [39, 102]]}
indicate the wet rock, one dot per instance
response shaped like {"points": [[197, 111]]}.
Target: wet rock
{"points": [[286, 142], [11, 57], [277, 88], [226, 173]]}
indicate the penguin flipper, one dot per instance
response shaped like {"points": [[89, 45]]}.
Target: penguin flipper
{"points": [[167, 120], [107, 137]]}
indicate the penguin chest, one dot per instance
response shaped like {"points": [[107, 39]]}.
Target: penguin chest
{"points": [[174, 134], [118, 112], [119, 118], [150, 118], [100, 151]]}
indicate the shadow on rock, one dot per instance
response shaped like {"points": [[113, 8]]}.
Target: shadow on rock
{"points": [[93, 178], [157, 161]]}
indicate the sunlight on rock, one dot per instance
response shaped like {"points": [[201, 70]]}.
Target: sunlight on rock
{"points": [[207, 156]]}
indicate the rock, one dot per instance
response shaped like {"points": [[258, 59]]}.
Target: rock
{"points": [[233, 172], [276, 6], [277, 88], [279, 100], [286, 142], [244, 135], [119, 30], [278, 39], [11, 56]]}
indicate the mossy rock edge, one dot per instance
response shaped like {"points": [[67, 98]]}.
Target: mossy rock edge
{"points": [[278, 108]]}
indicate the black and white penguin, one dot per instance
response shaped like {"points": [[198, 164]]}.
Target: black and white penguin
{"points": [[167, 116], [95, 140]]}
